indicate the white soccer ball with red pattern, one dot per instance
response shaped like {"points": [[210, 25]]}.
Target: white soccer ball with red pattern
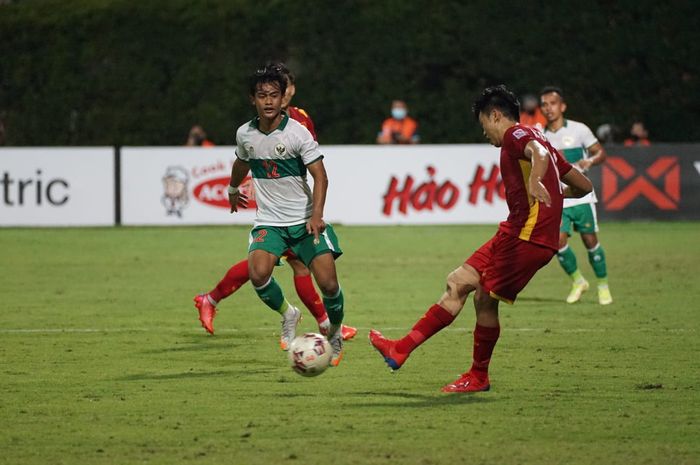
{"points": [[310, 354]]}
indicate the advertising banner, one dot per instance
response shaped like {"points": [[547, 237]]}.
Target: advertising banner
{"points": [[423, 184], [57, 186], [427, 184], [178, 186], [659, 182]]}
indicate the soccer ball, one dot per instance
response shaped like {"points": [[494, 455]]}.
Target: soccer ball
{"points": [[310, 354]]}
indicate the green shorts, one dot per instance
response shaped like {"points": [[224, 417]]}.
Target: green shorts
{"points": [[580, 218], [279, 239]]}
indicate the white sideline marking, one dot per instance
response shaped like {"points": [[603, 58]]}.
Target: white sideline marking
{"points": [[272, 329]]}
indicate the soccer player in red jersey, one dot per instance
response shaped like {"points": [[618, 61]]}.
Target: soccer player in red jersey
{"points": [[237, 275], [531, 170]]}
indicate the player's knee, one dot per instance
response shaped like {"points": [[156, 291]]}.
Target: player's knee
{"points": [[258, 276], [329, 287], [563, 239], [460, 283]]}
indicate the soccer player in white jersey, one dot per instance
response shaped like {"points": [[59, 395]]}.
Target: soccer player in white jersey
{"points": [[279, 151], [581, 148]]}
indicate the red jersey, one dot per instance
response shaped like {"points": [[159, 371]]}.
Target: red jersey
{"points": [[303, 117], [534, 223]]}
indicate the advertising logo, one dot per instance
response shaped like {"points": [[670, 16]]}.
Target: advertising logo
{"points": [[175, 197], [214, 192], [659, 183], [431, 195]]}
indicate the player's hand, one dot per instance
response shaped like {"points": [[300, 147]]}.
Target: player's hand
{"points": [[236, 200], [315, 226], [540, 194]]}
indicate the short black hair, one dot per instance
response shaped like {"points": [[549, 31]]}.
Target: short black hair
{"points": [[500, 98], [268, 73], [550, 89], [287, 72]]}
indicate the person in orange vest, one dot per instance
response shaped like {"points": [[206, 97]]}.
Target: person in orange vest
{"points": [[400, 128], [198, 138], [530, 113], [639, 137]]}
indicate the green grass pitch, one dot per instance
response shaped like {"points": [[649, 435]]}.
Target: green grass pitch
{"points": [[104, 361]]}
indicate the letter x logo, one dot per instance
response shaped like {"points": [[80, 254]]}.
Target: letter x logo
{"points": [[665, 169]]}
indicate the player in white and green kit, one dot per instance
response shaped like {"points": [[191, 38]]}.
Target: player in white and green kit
{"points": [[581, 148], [279, 151]]}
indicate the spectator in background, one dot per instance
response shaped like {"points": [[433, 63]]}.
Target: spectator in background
{"points": [[530, 113], [638, 136], [606, 133], [198, 138], [400, 128]]}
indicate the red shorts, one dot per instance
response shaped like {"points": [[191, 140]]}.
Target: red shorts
{"points": [[506, 264]]}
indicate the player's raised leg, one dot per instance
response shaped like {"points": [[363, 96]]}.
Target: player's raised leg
{"points": [[260, 265], [206, 304], [460, 283]]}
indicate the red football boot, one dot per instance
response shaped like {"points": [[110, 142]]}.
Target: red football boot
{"points": [[468, 382], [207, 312], [387, 348], [348, 332]]}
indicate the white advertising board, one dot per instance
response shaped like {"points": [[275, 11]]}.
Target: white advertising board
{"points": [[57, 186], [178, 185], [422, 184]]}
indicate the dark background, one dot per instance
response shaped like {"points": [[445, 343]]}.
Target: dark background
{"points": [[118, 72]]}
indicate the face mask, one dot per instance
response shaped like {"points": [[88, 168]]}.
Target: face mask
{"points": [[398, 113]]}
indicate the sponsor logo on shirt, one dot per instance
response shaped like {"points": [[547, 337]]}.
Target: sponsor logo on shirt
{"points": [[519, 133]]}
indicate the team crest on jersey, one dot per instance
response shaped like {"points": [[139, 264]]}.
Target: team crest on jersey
{"points": [[518, 133], [567, 140], [280, 149], [250, 150]]}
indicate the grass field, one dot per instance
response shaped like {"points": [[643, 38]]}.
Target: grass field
{"points": [[104, 362]]}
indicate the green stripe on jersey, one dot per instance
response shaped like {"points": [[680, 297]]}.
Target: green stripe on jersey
{"points": [[573, 155], [277, 168]]}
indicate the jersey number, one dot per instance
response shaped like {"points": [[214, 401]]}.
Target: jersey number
{"points": [[270, 169], [261, 236]]}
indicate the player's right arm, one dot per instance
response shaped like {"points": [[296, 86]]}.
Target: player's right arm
{"points": [[239, 170]]}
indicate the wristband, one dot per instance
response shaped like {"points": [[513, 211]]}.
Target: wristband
{"points": [[232, 190]]}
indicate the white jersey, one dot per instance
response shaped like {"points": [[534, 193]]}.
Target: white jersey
{"points": [[573, 141], [278, 163]]}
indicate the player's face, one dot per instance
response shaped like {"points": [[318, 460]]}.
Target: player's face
{"points": [[553, 107], [489, 123], [268, 100]]}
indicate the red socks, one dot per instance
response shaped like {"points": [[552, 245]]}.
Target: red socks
{"points": [[307, 293], [484, 342], [433, 321], [235, 277]]}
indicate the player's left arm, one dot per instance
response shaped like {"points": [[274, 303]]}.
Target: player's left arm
{"points": [[316, 225], [597, 155], [539, 156]]}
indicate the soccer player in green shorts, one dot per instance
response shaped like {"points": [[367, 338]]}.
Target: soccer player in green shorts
{"points": [[581, 148], [279, 151]]}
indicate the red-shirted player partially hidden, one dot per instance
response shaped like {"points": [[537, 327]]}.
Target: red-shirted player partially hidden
{"points": [[531, 170], [237, 275]]}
